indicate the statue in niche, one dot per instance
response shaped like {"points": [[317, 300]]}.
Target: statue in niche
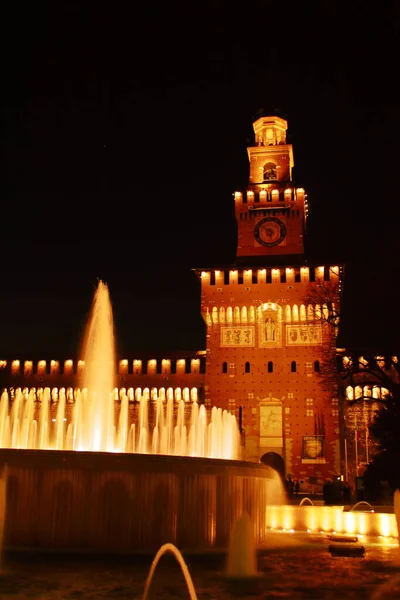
{"points": [[269, 329]]}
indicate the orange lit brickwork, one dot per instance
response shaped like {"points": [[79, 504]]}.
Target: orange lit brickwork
{"points": [[265, 336]]}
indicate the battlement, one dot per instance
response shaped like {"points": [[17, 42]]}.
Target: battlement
{"points": [[251, 277], [163, 367], [270, 194]]}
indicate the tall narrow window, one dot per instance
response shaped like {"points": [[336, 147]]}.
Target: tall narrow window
{"points": [[270, 366], [316, 366], [224, 367], [293, 366], [247, 367]]}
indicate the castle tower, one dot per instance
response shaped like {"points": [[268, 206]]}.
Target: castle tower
{"points": [[271, 212], [269, 322]]}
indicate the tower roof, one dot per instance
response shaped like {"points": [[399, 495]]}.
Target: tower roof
{"points": [[269, 112]]}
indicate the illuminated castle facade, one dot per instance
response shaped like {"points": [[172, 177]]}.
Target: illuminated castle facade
{"points": [[266, 332]]}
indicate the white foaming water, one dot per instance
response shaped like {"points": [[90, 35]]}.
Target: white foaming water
{"points": [[97, 422], [242, 558], [95, 430]]}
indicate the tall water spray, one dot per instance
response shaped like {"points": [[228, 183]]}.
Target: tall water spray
{"points": [[98, 378], [95, 417]]}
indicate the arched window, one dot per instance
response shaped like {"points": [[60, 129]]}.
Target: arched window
{"points": [[302, 312], [293, 366], [295, 312], [247, 367], [288, 313], [270, 366], [224, 367], [316, 366], [236, 314], [252, 314], [269, 171]]}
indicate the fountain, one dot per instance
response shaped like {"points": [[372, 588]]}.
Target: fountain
{"points": [[242, 557], [89, 472], [95, 422], [306, 502], [181, 561]]}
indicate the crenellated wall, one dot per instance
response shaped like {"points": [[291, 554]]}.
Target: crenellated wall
{"points": [[183, 372]]}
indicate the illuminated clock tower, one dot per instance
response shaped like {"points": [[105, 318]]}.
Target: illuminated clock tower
{"points": [[267, 322], [271, 214]]}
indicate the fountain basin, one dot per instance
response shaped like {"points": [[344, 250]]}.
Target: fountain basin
{"points": [[101, 501], [331, 519]]}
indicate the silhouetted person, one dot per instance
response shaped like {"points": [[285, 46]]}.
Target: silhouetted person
{"points": [[328, 492], [346, 493]]}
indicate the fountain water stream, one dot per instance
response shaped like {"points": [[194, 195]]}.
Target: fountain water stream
{"points": [[44, 419], [242, 558], [181, 561]]}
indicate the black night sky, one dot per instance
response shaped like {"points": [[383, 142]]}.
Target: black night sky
{"points": [[124, 136]]}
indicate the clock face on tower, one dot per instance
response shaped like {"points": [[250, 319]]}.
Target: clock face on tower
{"points": [[270, 231]]}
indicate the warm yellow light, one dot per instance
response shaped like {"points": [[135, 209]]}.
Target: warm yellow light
{"points": [[3, 364], [262, 271], [81, 363], [124, 362], [68, 363], [217, 273], [300, 190], [233, 272]]}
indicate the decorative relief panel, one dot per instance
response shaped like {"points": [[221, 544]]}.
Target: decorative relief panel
{"points": [[303, 335], [271, 424], [237, 336], [271, 420]]}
